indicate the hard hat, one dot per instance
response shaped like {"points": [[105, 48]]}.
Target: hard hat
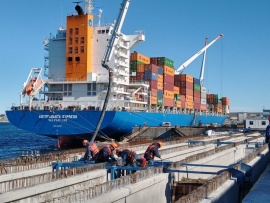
{"points": [[114, 145], [160, 143], [84, 142], [118, 152]]}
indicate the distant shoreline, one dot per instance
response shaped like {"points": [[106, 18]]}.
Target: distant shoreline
{"points": [[4, 121]]}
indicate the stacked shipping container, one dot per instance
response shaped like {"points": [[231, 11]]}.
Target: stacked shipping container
{"points": [[170, 90], [185, 83], [168, 79]]}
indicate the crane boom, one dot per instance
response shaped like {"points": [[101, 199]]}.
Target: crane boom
{"points": [[116, 30], [203, 63], [107, 57], [185, 64]]}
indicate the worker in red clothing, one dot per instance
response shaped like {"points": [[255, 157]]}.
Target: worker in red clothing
{"points": [[91, 151], [152, 151], [106, 153]]}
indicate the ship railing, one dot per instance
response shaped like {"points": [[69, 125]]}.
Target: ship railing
{"points": [[50, 80], [135, 82], [31, 153]]}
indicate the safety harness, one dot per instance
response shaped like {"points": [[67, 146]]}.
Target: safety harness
{"points": [[130, 157], [149, 151]]}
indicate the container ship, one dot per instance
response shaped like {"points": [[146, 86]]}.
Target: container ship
{"points": [[144, 90]]}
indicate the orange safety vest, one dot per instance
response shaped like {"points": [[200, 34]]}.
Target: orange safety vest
{"points": [[94, 149], [151, 155]]}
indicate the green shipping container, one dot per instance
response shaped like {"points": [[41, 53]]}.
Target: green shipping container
{"points": [[197, 87], [165, 61], [217, 99], [160, 101], [177, 97]]}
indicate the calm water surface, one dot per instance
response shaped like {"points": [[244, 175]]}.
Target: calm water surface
{"points": [[14, 141]]}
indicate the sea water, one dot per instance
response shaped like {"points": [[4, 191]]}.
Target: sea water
{"points": [[14, 142]]}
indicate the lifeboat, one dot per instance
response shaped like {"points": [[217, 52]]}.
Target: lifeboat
{"points": [[32, 85]]}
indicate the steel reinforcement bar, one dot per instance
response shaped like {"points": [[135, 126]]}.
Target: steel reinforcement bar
{"points": [[30, 181], [206, 189]]}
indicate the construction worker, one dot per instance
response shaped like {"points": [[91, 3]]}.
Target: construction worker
{"points": [[91, 151], [106, 153], [128, 156], [152, 151]]}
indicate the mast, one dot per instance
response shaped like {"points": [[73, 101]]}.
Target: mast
{"points": [[89, 6]]}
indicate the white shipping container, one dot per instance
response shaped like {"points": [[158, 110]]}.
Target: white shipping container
{"points": [[225, 109], [203, 95], [203, 101], [203, 90]]}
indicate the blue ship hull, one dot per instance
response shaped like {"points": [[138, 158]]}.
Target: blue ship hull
{"points": [[115, 123]]}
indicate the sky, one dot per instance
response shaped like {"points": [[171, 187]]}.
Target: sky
{"points": [[237, 65]]}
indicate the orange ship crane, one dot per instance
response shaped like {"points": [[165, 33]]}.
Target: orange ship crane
{"points": [[203, 50]]}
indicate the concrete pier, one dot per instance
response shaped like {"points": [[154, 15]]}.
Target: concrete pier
{"points": [[218, 168]]}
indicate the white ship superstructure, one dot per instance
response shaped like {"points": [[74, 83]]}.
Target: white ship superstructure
{"points": [[76, 78]]}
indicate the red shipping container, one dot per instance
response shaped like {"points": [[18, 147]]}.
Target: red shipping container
{"points": [[177, 78], [197, 106], [197, 100], [183, 104], [132, 79], [168, 78], [140, 76], [184, 91], [186, 84], [183, 98], [154, 61], [203, 107], [151, 68], [168, 102], [177, 83], [168, 86], [197, 94], [153, 92], [153, 84], [210, 101], [186, 77]]}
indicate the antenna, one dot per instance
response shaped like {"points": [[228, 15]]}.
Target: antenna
{"points": [[99, 16], [77, 2], [89, 6]]}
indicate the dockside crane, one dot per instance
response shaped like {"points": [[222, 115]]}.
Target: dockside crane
{"points": [[190, 60]]}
